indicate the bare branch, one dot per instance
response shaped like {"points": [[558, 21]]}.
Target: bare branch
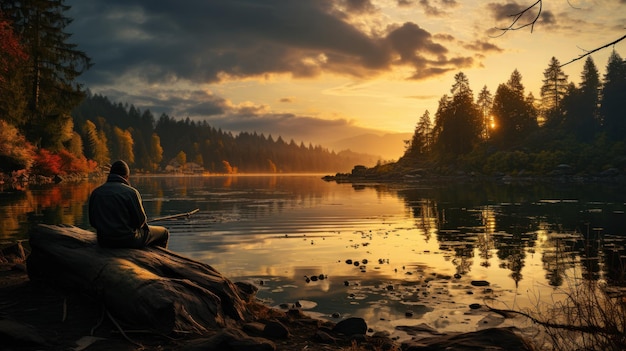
{"points": [[539, 3], [594, 50], [519, 15]]}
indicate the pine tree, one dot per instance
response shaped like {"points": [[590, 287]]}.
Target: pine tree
{"points": [[485, 104], [515, 116], [51, 69], [581, 105], [420, 144], [613, 108], [458, 120], [553, 90], [12, 90]]}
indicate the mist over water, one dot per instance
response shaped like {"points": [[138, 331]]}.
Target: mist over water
{"points": [[394, 254]]}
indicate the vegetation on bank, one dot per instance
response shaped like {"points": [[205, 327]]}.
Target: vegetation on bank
{"points": [[570, 130], [51, 126]]}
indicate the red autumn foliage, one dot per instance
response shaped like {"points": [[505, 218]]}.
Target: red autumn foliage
{"points": [[47, 163], [11, 50], [61, 163], [72, 164]]}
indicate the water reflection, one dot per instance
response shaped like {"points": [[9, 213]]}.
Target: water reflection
{"points": [[418, 248]]}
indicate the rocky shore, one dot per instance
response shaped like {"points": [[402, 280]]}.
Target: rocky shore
{"points": [[35, 316]]}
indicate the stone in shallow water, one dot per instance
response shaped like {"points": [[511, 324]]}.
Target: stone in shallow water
{"points": [[480, 283]]}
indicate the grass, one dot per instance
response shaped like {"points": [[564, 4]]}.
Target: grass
{"points": [[590, 316]]}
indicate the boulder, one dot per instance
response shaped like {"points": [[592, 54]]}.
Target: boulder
{"points": [[351, 326], [151, 288]]}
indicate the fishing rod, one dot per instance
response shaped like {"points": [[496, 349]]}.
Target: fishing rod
{"points": [[174, 216]]}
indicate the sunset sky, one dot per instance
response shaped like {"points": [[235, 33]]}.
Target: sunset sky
{"points": [[319, 70]]}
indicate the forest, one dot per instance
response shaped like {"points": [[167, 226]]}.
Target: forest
{"points": [[52, 125], [168, 144], [570, 129]]}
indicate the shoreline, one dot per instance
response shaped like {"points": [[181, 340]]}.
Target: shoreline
{"points": [[34, 315]]}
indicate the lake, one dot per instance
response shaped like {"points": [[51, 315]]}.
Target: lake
{"points": [[394, 254]]}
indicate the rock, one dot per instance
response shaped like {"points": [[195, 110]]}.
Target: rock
{"points": [[254, 328], [480, 283], [421, 328], [351, 326], [13, 253], [14, 333], [230, 339], [324, 337], [275, 330], [492, 339], [474, 306], [248, 290], [151, 288]]}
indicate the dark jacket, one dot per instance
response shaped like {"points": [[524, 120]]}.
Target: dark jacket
{"points": [[116, 210]]}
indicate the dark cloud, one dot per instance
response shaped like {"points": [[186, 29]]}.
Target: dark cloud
{"points": [[506, 13], [161, 46], [437, 8], [208, 41], [482, 46], [360, 6]]}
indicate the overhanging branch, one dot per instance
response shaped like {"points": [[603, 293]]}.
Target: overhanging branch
{"points": [[594, 50]]}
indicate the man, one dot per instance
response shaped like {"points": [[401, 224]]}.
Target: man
{"points": [[117, 213]]}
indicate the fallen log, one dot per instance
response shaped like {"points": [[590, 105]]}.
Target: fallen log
{"points": [[151, 289]]}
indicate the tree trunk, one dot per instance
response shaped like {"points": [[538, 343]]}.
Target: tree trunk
{"points": [[151, 288]]}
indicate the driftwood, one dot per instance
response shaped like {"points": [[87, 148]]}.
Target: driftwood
{"points": [[152, 288]]}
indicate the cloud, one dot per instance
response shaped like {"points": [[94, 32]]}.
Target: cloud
{"points": [[437, 11], [288, 99], [360, 6], [506, 14], [482, 46], [211, 41]]}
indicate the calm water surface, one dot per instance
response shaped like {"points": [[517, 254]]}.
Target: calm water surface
{"points": [[392, 254]]}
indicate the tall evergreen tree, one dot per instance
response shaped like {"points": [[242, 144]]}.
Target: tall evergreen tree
{"points": [[458, 120], [13, 103], [420, 144], [485, 104], [51, 69], [581, 105], [553, 90], [613, 106], [515, 116]]}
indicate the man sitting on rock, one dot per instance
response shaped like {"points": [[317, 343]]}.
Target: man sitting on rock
{"points": [[117, 213]]}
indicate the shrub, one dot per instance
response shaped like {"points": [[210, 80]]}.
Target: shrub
{"points": [[47, 163], [15, 152]]}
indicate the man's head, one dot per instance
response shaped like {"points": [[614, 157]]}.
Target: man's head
{"points": [[120, 168]]}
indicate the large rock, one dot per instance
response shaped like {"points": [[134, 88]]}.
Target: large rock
{"points": [[151, 288], [492, 339]]}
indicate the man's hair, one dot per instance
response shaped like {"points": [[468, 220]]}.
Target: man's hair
{"points": [[120, 168]]}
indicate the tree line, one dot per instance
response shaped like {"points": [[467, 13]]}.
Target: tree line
{"points": [[51, 125], [581, 129], [152, 145]]}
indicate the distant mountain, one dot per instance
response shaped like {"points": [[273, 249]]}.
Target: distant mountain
{"points": [[387, 147]]}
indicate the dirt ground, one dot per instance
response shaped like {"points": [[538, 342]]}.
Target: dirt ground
{"points": [[42, 318]]}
